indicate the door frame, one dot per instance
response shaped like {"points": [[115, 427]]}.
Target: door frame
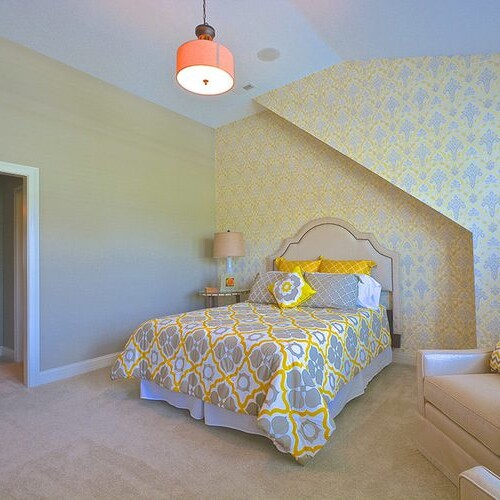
{"points": [[31, 191], [19, 274]]}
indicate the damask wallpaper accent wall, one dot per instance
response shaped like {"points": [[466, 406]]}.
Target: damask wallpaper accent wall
{"points": [[430, 126], [272, 178]]}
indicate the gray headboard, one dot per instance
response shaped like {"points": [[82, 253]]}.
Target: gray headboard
{"points": [[337, 239]]}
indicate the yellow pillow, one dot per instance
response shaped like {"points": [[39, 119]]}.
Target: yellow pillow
{"points": [[292, 289], [495, 359], [347, 266], [288, 266]]}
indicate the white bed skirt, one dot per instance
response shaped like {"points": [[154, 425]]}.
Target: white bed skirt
{"points": [[213, 415]]}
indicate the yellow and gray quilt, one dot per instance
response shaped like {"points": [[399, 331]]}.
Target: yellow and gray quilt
{"points": [[282, 366]]}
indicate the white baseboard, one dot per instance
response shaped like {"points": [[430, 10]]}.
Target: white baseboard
{"points": [[6, 352], [67, 371], [403, 358]]}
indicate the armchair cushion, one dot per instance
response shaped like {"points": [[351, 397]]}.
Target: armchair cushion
{"points": [[466, 399]]}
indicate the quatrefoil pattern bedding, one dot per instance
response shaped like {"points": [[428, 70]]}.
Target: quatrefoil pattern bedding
{"points": [[281, 365]]}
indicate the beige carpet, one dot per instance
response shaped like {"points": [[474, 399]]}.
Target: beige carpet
{"points": [[89, 437]]}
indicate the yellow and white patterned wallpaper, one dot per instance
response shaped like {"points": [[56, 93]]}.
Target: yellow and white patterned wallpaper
{"points": [[430, 126], [272, 178]]}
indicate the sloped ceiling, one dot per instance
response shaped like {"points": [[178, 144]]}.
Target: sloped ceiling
{"points": [[132, 44], [367, 29]]}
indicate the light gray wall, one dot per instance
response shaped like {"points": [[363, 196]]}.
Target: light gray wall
{"points": [[127, 203], [7, 185]]}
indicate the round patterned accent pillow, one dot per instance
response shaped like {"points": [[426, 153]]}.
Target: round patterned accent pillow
{"points": [[291, 290]]}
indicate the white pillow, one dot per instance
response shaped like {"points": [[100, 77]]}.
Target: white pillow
{"points": [[368, 292]]}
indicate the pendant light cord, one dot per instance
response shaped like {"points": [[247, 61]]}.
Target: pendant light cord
{"points": [[204, 12]]}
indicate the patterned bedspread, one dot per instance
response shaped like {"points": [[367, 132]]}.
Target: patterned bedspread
{"points": [[283, 366]]}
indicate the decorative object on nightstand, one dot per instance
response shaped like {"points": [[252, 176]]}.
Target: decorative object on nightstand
{"points": [[212, 297], [228, 245]]}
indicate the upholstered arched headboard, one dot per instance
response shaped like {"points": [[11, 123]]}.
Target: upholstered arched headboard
{"points": [[338, 239]]}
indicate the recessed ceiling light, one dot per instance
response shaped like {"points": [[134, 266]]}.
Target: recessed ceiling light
{"points": [[268, 54]]}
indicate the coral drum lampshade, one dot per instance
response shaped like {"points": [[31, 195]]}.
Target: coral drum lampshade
{"points": [[205, 67]]}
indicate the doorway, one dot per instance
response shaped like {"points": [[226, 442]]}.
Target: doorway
{"points": [[12, 278], [19, 274]]}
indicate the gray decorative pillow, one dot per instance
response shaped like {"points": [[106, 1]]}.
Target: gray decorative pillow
{"points": [[339, 291], [260, 292]]}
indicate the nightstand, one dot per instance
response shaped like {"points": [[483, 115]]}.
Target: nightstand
{"points": [[212, 299]]}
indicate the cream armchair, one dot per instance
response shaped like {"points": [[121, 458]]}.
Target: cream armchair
{"points": [[459, 407]]}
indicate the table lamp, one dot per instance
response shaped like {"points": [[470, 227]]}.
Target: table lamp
{"points": [[228, 245]]}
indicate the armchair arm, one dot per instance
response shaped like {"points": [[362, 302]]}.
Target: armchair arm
{"points": [[452, 362], [449, 362], [478, 483]]}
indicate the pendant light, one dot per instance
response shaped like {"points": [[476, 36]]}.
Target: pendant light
{"points": [[204, 66]]}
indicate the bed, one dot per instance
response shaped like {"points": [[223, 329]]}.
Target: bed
{"points": [[282, 373]]}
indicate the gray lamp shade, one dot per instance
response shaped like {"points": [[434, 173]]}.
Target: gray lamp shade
{"points": [[228, 244]]}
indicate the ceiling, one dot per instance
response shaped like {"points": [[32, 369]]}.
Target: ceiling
{"points": [[132, 43]]}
